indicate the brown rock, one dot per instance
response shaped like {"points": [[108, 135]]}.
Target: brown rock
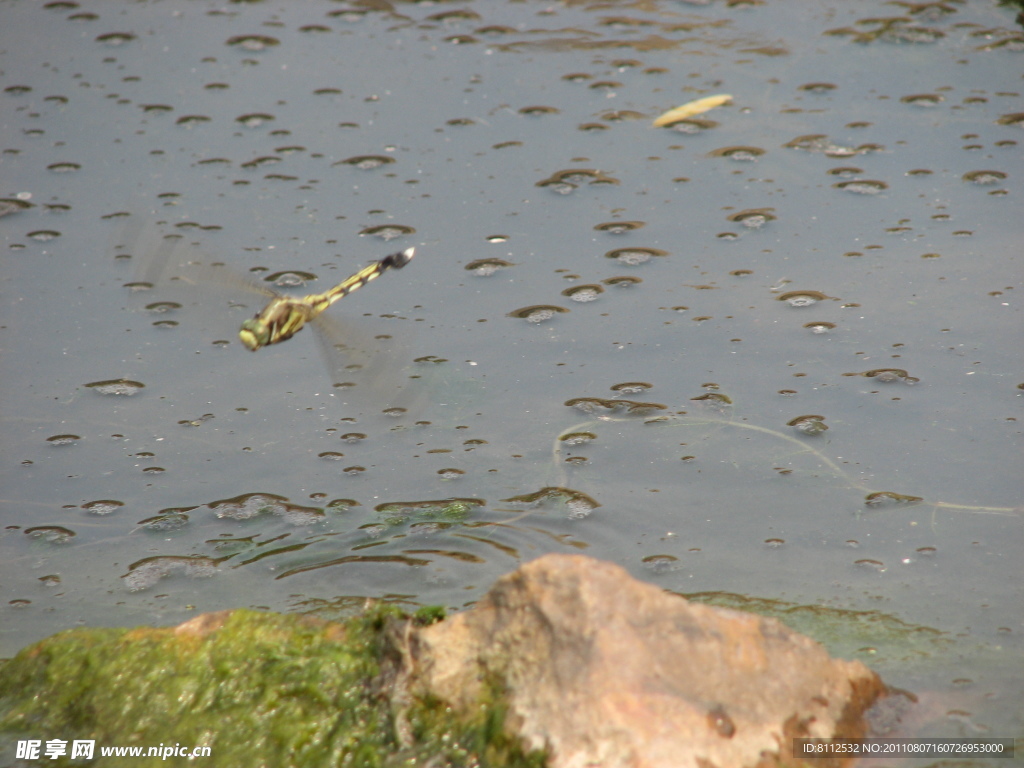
{"points": [[604, 670]]}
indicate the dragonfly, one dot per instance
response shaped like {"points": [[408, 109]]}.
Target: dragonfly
{"points": [[285, 316], [172, 268]]}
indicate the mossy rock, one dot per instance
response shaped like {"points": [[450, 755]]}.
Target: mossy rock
{"points": [[257, 688]]}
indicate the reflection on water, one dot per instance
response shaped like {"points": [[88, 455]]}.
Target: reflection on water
{"points": [[708, 413]]}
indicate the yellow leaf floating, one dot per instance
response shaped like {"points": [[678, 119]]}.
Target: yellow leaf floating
{"points": [[691, 108]]}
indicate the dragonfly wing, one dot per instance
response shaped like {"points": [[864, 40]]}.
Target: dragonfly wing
{"points": [[368, 370], [174, 279], [167, 260]]}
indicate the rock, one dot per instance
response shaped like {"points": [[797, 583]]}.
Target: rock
{"points": [[602, 670], [566, 656]]}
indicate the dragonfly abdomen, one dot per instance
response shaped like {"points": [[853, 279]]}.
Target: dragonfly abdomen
{"points": [[282, 318], [370, 272]]}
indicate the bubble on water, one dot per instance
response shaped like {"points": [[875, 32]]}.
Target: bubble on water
{"points": [[1008, 40], [248, 506], [252, 42], [388, 232], [801, 299], [1013, 119], [631, 387], [604, 408], [568, 179], [715, 399], [119, 387], [634, 256], [366, 162], [870, 565], [495, 30], [63, 439], [537, 313], [51, 534], [923, 99], [817, 87], [561, 187], [162, 307], [254, 119], [810, 425], [535, 111], [342, 505], [256, 162], [330, 456], [487, 267], [196, 422], [349, 15], [12, 205], [577, 77], [578, 438], [102, 507], [819, 142], [115, 39], [622, 115], [619, 227], [862, 186], [44, 235], [820, 326], [754, 218], [63, 167], [812, 142], [692, 125], [189, 121], [580, 507], [882, 498], [290, 279], [353, 437], [984, 178], [167, 520], [623, 281], [740, 154], [450, 473], [583, 293], [588, 127], [660, 564], [845, 171], [144, 573], [774, 543], [888, 376]]}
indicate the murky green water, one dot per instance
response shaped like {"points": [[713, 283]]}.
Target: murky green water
{"points": [[837, 247]]}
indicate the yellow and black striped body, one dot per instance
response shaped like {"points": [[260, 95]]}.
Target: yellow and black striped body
{"points": [[283, 317]]}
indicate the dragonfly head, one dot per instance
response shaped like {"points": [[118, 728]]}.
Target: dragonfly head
{"points": [[254, 334]]}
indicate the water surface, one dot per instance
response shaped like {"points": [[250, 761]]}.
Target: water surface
{"points": [[771, 353]]}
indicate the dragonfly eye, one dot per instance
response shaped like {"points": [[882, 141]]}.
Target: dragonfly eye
{"points": [[254, 334]]}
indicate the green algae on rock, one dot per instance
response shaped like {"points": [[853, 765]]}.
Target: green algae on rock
{"points": [[257, 688]]}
